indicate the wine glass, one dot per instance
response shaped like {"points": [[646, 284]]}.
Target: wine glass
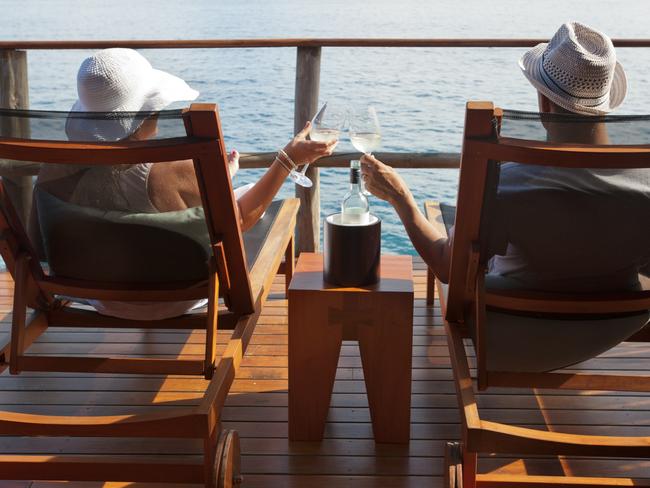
{"points": [[325, 127], [365, 133]]}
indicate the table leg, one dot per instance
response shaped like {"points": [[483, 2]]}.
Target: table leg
{"points": [[385, 348], [314, 347]]}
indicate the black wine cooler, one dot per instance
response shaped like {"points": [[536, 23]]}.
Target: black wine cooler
{"points": [[352, 251]]}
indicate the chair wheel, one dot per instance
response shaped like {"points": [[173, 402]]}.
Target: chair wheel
{"points": [[453, 465], [227, 472]]}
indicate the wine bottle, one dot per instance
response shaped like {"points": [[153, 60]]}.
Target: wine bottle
{"points": [[355, 209]]}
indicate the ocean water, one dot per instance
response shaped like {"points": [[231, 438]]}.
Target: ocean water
{"points": [[420, 93]]}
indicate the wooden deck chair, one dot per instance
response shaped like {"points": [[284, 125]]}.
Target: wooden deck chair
{"points": [[474, 310], [240, 274]]}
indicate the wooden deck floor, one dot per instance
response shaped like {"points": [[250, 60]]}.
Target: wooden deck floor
{"points": [[257, 407]]}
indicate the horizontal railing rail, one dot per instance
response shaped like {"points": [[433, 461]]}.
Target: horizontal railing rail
{"points": [[14, 94], [290, 42], [423, 160]]}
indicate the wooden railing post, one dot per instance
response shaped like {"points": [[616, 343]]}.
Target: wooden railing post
{"points": [[306, 104], [14, 93]]}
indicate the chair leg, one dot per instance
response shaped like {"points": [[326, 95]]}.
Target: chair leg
{"points": [[211, 325], [453, 465], [210, 456], [19, 313], [289, 264], [431, 282], [469, 467]]}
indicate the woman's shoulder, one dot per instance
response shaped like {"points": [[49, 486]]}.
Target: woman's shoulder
{"points": [[173, 186]]}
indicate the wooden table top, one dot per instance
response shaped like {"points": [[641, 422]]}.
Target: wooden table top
{"points": [[396, 275]]}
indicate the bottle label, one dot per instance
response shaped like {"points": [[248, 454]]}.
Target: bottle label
{"points": [[354, 175]]}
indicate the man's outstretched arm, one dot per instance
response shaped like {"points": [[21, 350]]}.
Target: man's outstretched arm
{"points": [[433, 246]]}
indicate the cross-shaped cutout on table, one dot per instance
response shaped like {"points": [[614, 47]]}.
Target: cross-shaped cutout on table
{"points": [[353, 313]]}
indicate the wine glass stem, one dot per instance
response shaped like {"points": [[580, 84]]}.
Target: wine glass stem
{"points": [[363, 183], [304, 169]]}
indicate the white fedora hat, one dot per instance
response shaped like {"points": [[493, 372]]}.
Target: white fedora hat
{"points": [[577, 70], [120, 80]]}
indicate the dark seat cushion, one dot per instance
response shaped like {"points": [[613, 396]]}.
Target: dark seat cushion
{"points": [[109, 246], [538, 344], [448, 213]]}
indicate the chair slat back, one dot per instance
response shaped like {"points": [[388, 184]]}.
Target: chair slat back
{"points": [[483, 147], [14, 241], [471, 191], [203, 144], [220, 206]]}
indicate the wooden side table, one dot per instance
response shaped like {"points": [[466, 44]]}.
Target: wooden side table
{"points": [[379, 317]]}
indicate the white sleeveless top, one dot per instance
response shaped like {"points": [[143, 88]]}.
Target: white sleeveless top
{"points": [[133, 196]]}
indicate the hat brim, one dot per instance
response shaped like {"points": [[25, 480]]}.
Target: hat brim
{"points": [[165, 89], [531, 66], [85, 125], [161, 90]]}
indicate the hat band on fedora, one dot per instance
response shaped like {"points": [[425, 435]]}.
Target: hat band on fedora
{"points": [[555, 87]]}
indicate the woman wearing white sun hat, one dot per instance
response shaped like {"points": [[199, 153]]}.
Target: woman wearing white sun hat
{"points": [[121, 80]]}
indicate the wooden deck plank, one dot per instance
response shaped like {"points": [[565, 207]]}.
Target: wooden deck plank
{"points": [[257, 406]]}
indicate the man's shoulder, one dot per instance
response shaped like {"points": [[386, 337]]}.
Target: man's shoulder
{"points": [[516, 177]]}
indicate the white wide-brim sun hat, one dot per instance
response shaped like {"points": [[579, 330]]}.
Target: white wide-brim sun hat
{"points": [[114, 81], [577, 69]]}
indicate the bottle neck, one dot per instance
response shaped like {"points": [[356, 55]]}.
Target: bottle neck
{"points": [[355, 179], [355, 187]]}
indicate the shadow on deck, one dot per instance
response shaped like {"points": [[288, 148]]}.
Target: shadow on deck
{"points": [[257, 407]]}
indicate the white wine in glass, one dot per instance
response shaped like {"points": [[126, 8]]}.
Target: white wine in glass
{"points": [[365, 133], [324, 135], [365, 142], [325, 127]]}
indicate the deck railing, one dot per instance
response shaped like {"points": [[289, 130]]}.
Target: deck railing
{"points": [[14, 94]]}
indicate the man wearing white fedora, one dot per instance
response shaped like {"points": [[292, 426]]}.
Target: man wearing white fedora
{"points": [[576, 72]]}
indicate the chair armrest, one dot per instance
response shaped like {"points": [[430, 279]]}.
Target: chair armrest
{"points": [[267, 264]]}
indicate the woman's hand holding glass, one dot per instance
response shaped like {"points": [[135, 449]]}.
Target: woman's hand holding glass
{"points": [[304, 151], [325, 127]]}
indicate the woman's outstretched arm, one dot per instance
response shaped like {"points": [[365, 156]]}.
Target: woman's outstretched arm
{"points": [[256, 200], [173, 186]]}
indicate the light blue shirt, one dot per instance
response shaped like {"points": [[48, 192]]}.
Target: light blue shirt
{"points": [[566, 229]]}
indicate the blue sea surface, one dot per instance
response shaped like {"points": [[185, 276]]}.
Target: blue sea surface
{"points": [[420, 93]]}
